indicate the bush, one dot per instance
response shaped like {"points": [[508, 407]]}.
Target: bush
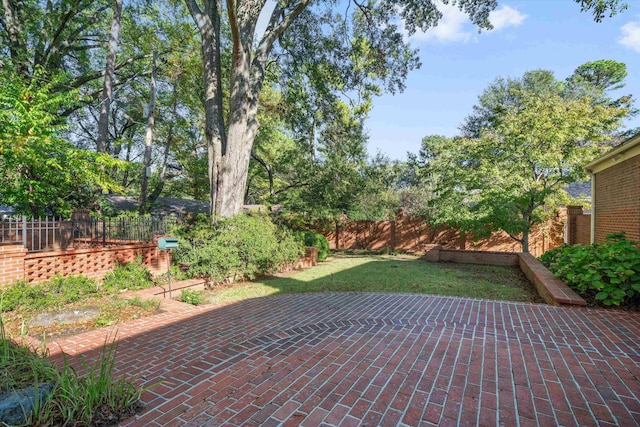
{"points": [[317, 240], [131, 276], [57, 291], [608, 272], [191, 297], [245, 246]]}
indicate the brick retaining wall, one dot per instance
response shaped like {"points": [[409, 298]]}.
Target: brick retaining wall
{"points": [[17, 264], [551, 289], [11, 262]]}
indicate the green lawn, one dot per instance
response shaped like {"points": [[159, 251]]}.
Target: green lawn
{"points": [[388, 273]]}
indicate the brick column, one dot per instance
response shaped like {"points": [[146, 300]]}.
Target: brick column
{"points": [[432, 252], [12, 262], [572, 229]]}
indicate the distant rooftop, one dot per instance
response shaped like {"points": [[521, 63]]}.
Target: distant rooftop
{"points": [[167, 206], [579, 190]]}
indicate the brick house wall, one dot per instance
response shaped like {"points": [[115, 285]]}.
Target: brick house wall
{"points": [[617, 200]]}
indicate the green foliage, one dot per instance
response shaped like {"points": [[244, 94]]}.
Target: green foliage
{"points": [[65, 290], [41, 173], [58, 291], [131, 276], [191, 297], [601, 7], [526, 141], [76, 399], [317, 240], [609, 272], [244, 246]]}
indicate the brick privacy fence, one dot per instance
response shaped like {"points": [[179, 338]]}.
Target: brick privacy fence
{"points": [[411, 234], [617, 200], [17, 264], [578, 226]]}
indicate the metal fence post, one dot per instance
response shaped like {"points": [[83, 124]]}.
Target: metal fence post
{"points": [[104, 231], [24, 230]]}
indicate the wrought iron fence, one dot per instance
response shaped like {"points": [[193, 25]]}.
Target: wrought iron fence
{"points": [[49, 233]]}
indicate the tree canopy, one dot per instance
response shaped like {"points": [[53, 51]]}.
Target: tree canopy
{"points": [[526, 140], [324, 62]]}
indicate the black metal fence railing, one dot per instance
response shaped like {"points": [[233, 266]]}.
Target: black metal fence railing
{"points": [[49, 233]]}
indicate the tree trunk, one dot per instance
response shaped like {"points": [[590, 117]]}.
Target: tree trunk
{"points": [[13, 27], [229, 153], [167, 147], [107, 90], [149, 137], [525, 242], [208, 23]]}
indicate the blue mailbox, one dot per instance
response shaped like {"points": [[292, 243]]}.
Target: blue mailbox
{"points": [[166, 243]]}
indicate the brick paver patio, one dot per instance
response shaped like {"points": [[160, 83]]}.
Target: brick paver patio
{"points": [[381, 359]]}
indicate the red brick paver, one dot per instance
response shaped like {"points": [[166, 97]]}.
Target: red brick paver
{"points": [[381, 359]]}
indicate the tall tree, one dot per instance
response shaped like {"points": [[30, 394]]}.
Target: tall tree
{"points": [[535, 143], [230, 146], [107, 89], [41, 173], [148, 140], [230, 143]]}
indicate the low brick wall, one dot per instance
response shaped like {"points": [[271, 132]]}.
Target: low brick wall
{"points": [[479, 257], [16, 264], [436, 253], [553, 290], [11, 262]]}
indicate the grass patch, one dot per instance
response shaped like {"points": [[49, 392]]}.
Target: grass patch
{"points": [[387, 273]]}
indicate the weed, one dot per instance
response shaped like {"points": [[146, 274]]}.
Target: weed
{"points": [[191, 297]]}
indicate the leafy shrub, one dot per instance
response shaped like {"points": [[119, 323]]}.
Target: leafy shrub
{"points": [[132, 276], [317, 240], [609, 272], [191, 297], [57, 291], [244, 246]]}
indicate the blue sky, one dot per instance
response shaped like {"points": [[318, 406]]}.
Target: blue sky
{"points": [[458, 64]]}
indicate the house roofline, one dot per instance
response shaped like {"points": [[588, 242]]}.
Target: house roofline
{"points": [[624, 151]]}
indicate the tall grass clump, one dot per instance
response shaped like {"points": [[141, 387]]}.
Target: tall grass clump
{"points": [[71, 399]]}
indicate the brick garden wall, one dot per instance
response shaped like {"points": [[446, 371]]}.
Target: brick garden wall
{"points": [[11, 262], [17, 264], [617, 200], [412, 234]]}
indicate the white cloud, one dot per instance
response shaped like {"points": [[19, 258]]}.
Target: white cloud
{"points": [[455, 25], [631, 36], [450, 28], [506, 17]]}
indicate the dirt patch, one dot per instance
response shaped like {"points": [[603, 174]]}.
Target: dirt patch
{"points": [[68, 316], [77, 318]]}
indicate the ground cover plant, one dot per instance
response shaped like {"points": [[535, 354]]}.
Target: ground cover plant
{"points": [[605, 274], [389, 273], [70, 399], [47, 309]]}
